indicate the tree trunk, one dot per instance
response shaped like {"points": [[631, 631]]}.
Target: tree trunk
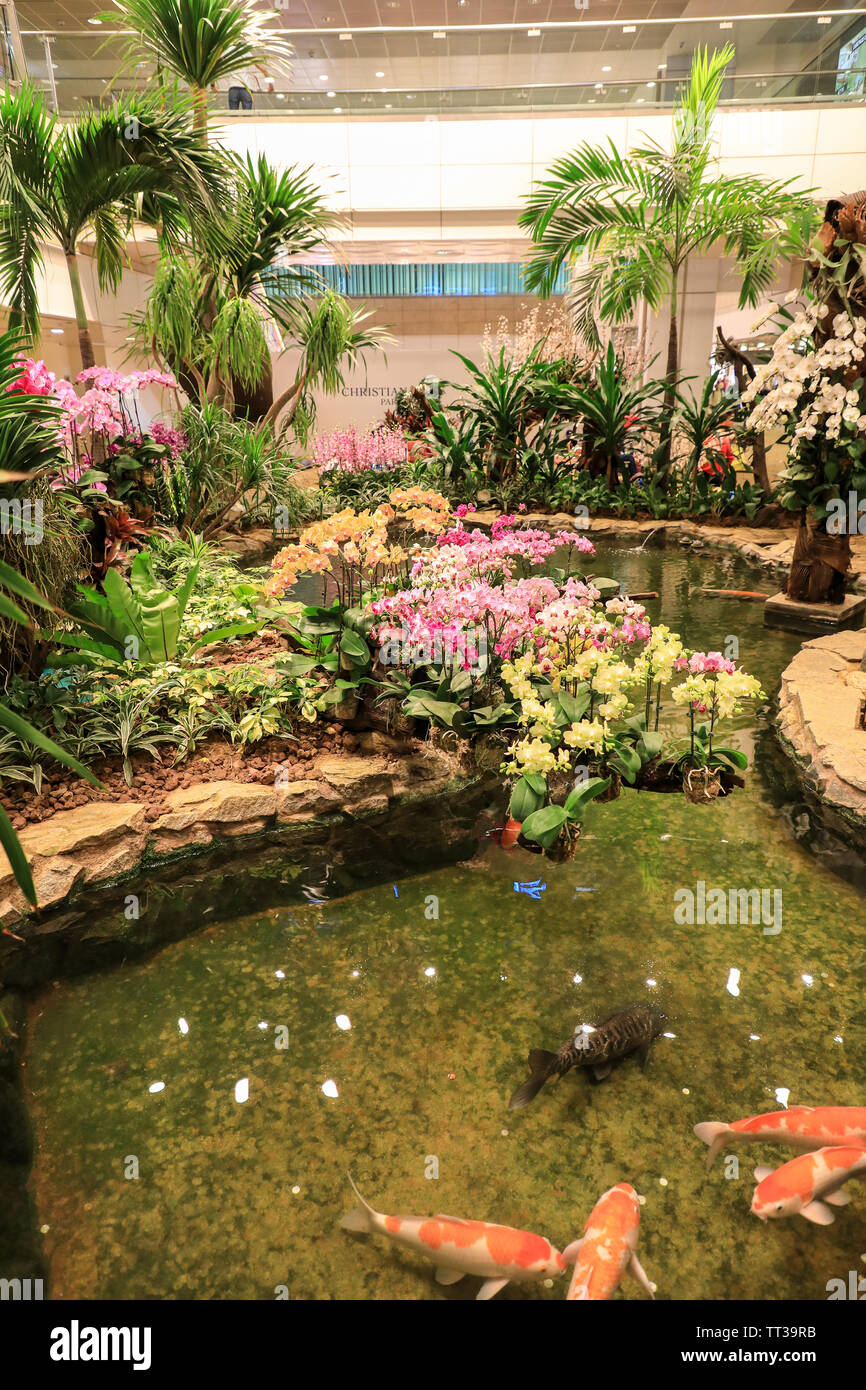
{"points": [[255, 403], [85, 344], [819, 565], [666, 438], [199, 113], [759, 462]]}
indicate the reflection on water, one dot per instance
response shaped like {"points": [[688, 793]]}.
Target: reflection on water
{"points": [[241, 1072]]}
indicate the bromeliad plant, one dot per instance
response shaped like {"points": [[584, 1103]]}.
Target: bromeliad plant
{"points": [[136, 622]]}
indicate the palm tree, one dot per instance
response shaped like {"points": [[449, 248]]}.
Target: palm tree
{"points": [[639, 217], [331, 337], [28, 445], [201, 41], [208, 311], [65, 181]]}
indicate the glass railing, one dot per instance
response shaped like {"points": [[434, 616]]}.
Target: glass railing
{"points": [[816, 56]]}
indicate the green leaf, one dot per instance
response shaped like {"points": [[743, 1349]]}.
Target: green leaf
{"points": [[16, 725], [8, 609], [543, 826], [649, 745], [354, 646], [577, 799], [525, 799], [222, 634], [626, 761], [17, 858], [428, 707], [733, 755], [574, 707], [11, 579]]}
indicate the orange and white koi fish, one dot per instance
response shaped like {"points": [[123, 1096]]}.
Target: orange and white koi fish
{"points": [[803, 1127], [804, 1185], [607, 1247], [496, 1254]]}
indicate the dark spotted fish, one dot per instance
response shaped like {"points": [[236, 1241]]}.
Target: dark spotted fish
{"points": [[598, 1048]]}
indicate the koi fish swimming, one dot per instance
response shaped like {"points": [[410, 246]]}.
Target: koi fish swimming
{"points": [[496, 1254], [598, 1048], [805, 1185], [608, 1247], [802, 1126]]}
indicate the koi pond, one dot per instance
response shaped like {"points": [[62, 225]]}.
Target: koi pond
{"points": [[197, 1110]]}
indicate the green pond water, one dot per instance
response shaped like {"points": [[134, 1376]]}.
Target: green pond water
{"points": [[421, 1025]]}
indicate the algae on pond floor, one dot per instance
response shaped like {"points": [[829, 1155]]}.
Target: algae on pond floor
{"points": [[422, 1024]]}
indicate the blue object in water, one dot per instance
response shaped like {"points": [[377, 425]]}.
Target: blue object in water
{"points": [[533, 889]]}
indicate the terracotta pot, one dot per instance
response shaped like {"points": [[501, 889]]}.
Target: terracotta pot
{"points": [[508, 838]]}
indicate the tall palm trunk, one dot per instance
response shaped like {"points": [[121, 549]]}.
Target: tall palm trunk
{"points": [[85, 343], [669, 400], [199, 113]]}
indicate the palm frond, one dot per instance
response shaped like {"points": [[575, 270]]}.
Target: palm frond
{"points": [[201, 41]]}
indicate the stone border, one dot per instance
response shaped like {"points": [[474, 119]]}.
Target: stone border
{"points": [[821, 695], [106, 841]]}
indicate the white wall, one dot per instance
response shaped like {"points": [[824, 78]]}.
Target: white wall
{"points": [[443, 166]]}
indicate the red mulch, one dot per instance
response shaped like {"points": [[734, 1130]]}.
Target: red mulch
{"points": [[213, 761]]}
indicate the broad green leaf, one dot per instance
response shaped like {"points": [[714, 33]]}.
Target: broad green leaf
{"points": [[543, 826], [11, 579], [17, 858], [354, 646], [577, 799], [524, 800]]}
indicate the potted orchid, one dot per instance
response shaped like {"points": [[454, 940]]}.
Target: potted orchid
{"points": [[714, 689]]}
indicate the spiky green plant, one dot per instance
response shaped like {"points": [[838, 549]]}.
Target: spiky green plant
{"points": [[86, 178], [638, 218], [332, 337], [208, 311], [201, 41]]}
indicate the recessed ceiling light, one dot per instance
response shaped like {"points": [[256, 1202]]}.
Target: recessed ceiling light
{"points": [[726, 24], [606, 69], [330, 94], [628, 28], [338, 110], [599, 86], [380, 74], [57, 330], [323, 77], [640, 101], [663, 67], [388, 106], [651, 84], [439, 34], [94, 21], [825, 19], [533, 33], [281, 96], [345, 37]]}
